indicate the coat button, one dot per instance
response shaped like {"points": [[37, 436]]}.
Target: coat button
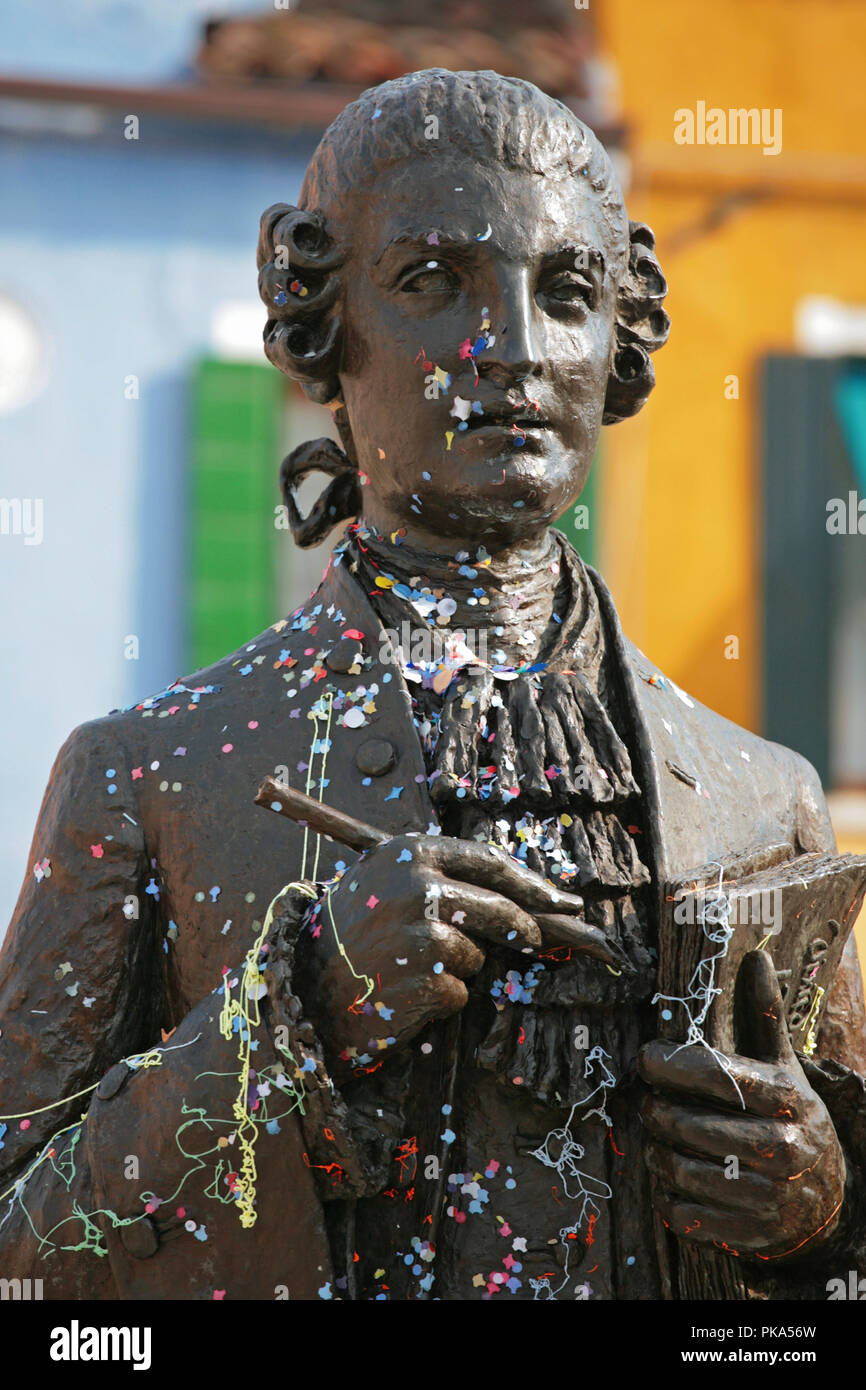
{"points": [[140, 1238], [344, 655], [113, 1081], [375, 757]]}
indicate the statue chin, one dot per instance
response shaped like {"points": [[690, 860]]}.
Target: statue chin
{"points": [[529, 495]]}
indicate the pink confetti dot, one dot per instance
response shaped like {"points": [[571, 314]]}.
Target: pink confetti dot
{"points": [[227, 747], [372, 901], [25, 1124], [460, 1217], [180, 1213], [253, 724]]}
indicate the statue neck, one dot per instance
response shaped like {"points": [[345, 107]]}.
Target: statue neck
{"points": [[511, 595]]}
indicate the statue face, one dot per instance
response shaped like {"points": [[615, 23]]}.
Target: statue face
{"points": [[440, 246]]}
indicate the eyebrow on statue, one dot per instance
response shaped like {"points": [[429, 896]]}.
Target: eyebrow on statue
{"points": [[411, 241], [578, 257], [575, 254]]}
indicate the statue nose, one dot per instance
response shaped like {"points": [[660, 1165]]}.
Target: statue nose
{"points": [[517, 353]]}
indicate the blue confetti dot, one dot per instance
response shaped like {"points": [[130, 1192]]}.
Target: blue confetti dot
{"points": [[666, 1014], [438, 968]]}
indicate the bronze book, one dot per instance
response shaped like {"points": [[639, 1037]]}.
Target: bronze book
{"points": [[799, 908]]}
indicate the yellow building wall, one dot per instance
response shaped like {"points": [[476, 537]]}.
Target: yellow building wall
{"points": [[742, 237]]}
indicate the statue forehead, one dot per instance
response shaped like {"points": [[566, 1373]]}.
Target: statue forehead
{"points": [[453, 196]]}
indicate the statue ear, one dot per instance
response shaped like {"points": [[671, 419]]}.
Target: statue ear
{"points": [[642, 326], [341, 499]]}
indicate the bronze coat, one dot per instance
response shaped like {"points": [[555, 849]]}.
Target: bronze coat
{"points": [[711, 791]]}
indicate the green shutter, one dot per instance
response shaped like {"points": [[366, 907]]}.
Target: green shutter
{"points": [[236, 423]]}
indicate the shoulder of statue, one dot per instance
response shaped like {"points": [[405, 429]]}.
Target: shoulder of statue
{"points": [[696, 743]]}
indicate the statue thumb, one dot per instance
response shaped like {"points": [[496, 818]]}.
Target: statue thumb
{"points": [[760, 1013]]}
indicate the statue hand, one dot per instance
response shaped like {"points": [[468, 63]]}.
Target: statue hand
{"points": [[412, 918], [765, 1180]]}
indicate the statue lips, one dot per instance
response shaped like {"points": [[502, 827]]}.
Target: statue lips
{"points": [[504, 414], [501, 419]]}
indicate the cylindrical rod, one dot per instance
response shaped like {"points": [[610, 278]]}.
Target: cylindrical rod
{"points": [[324, 820]]}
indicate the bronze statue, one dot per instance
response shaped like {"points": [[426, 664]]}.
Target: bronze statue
{"points": [[424, 1060]]}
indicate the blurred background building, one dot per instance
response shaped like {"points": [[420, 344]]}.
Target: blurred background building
{"points": [[139, 142]]}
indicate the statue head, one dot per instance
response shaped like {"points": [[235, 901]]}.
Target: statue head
{"points": [[461, 284]]}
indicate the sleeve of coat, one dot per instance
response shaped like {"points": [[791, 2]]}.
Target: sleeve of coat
{"points": [[202, 1167], [80, 977]]}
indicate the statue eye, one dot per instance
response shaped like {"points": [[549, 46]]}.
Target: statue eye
{"points": [[429, 278], [567, 289]]}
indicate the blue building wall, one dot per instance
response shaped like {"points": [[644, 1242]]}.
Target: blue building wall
{"points": [[119, 251]]}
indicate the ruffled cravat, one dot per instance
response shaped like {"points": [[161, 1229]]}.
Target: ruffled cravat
{"points": [[534, 760]]}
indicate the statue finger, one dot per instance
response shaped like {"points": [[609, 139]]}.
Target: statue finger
{"points": [[493, 868], [714, 1184], [766, 1145], [481, 912], [450, 952], [762, 1010], [759, 1088], [704, 1225], [559, 930]]}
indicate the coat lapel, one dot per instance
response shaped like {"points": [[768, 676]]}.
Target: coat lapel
{"points": [[398, 801]]}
